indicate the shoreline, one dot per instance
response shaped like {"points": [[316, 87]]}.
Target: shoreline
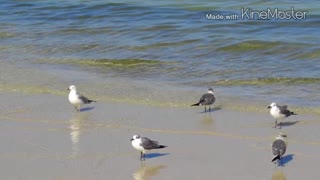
{"points": [[231, 103], [50, 79]]}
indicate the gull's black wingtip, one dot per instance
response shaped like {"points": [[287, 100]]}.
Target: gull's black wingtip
{"points": [[275, 158], [196, 104]]}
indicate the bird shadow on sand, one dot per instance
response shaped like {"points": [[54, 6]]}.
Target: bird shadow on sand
{"points": [[288, 123], [212, 110], [286, 159], [86, 109], [155, 155]]}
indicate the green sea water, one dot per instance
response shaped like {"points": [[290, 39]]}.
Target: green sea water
{"points": [[162, 53]]}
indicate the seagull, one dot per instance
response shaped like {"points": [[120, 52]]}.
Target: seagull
{"points": [[143, 144], [279, 113], [206, 100], [279, 147], [77, 99]]}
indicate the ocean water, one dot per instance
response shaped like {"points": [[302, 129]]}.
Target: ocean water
{"points": [[162, 52]]}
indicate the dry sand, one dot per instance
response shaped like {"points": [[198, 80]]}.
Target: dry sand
{"points": [[43, 138]]}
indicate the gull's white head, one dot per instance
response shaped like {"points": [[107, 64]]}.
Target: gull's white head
{"points": [[210, 90], [281, 135], [135, 137], [72, 88], [272, 105]]}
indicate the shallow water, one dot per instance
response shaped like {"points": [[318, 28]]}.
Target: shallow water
{"points": [[159, 51]]}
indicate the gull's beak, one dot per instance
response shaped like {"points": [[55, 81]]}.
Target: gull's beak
{"points": [[269, 107], [283, 135], [131, 139], [68, 89]]}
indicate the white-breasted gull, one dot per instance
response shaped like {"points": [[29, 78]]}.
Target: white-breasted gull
{"points": [[77, 99], [279, 113], [144, 144]]}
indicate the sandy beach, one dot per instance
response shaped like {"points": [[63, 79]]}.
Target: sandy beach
{"points": [[42, 137]]}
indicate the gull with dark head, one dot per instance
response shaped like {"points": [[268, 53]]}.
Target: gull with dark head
{"points": [[77, 99], [206, 100], [144, 144], [279, 113], [279, 147]]}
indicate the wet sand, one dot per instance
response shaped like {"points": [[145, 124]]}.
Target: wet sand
{"points": [[42, 137]]}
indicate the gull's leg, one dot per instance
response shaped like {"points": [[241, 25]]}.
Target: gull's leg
{"points": [[279, 125], [142, 156], [275, 163], [209, 108], [205, 109], [275, 123]]}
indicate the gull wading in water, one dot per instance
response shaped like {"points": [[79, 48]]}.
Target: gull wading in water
{"points": [[279, 147], [77, 99], [206, 100], [144, 144], [279, 113]]}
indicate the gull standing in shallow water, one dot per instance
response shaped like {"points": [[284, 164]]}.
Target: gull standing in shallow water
{"points": [[206, 100], [143, 144], [279, 113], [279, 147], [77, 99]]}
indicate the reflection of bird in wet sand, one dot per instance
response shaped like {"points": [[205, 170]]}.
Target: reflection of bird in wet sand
{"points": [[278, 175], [146, 172], [75, 131], [207, 120]]}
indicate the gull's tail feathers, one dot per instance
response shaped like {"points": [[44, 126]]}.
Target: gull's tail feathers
{"points": [[275, 158], [162, 146], [196, 104]]}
